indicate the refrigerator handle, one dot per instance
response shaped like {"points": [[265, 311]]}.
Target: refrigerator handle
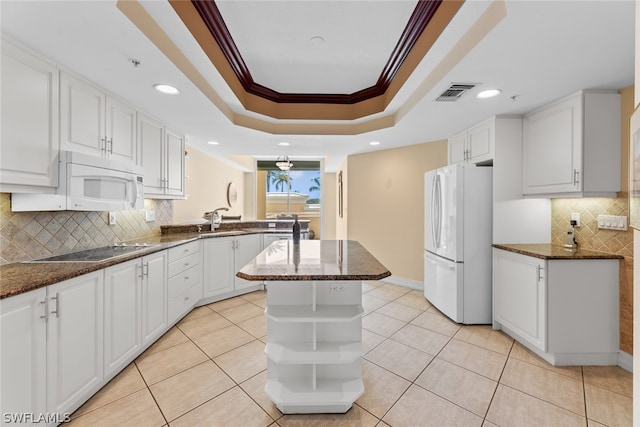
{"points": [[438, 214], [434, 210]]}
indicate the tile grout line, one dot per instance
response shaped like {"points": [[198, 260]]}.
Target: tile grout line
{"points": [[493, 395]]}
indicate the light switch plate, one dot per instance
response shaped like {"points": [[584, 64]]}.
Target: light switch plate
{"points": [[612, 222], [150, 216], [112, 218]]}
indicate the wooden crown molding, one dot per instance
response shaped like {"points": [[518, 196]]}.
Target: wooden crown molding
{"points": [[420, 18]]}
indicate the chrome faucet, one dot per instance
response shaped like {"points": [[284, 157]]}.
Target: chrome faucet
{"points": [[215, 218]]}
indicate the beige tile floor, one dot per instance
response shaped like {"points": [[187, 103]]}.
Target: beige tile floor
{"points": [[419, 369]]}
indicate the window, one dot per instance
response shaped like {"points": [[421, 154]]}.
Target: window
{"points": [[282, 194]]}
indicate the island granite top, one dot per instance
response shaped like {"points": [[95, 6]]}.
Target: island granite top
{"points": [[314, 260], [548, 251]]}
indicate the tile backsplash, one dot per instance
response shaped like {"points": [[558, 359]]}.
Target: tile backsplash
{"points": [[29, 235], [611, 241]]}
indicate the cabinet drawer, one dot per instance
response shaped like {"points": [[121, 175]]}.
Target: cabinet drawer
{"points": [[183, 264], [184, 302], [184, 250], [180, 282]]}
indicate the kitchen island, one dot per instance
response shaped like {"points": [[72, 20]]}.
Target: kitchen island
{"points": [[314, 321]]}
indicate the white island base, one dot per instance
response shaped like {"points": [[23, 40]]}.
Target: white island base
{"points": [[314, 345]]}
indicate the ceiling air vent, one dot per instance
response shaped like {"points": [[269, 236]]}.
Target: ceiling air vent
{"points": [[455, 91]]}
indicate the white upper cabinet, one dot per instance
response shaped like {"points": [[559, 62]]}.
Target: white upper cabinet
{"points": [[29, 116], [95, 123], [162, 157], [572, 147], [474, 145]]}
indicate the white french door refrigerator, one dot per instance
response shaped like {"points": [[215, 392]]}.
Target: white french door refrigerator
{"points": [[457, 240]]}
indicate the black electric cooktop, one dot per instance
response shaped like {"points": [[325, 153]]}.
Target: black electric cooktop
{"points": [[94, 255]]}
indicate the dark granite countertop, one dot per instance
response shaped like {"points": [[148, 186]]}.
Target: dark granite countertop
{"points": [[21, 277], [314, 260], [548, 251]]}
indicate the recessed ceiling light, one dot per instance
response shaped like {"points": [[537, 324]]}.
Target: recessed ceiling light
{"points": [[374, 143], [166, 89], [490, 93], [284, 144], [213, 143]]}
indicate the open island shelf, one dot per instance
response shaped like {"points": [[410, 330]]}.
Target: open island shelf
{"points": [[314, 322]]}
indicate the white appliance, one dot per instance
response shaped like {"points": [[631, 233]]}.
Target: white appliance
{"points": [[88, 183], [457, 240]]}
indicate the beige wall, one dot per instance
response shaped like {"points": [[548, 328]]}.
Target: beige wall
{"points": [[341, 222], [207, 188], [385, 201], [329, 206], [590, 237]]}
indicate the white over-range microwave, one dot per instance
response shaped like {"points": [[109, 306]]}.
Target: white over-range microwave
{"points": [[88, 183]]}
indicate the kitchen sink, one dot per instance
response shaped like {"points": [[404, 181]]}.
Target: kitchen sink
{"points": [[94, 255]]}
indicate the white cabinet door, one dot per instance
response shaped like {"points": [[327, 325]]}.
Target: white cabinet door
{"points": [[121, 131], [122, 318], [23, 363], [154, 296], [457, 148], [174, 168], [75, 341], [218, 265], [162, 157], [552, 149], [151, 146], [480, 142], [247, 247], [82, 117], [29, 116], [268, 238], [519, 296], [474, 145]]}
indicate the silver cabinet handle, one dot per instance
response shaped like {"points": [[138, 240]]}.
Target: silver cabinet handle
{"points": [[103, 146], [141, 268], [576, 174], [110, 142], [44, 311], [57, 309]]}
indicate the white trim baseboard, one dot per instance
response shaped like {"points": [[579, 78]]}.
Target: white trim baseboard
{"points": [[625, 361], [401, 281]]}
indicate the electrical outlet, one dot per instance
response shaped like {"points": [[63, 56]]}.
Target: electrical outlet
{"points": [[575, 216], [338, 289], [150, 216], [112, 218]]}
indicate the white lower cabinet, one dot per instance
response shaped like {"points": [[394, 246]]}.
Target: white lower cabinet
{"points": [[519, 296], [74, 341], [314, 346], [246, 248], [122, 318], [23, 334], [185, 279], [135, 310], [565, 310], [223, 257], [154, 296]]}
